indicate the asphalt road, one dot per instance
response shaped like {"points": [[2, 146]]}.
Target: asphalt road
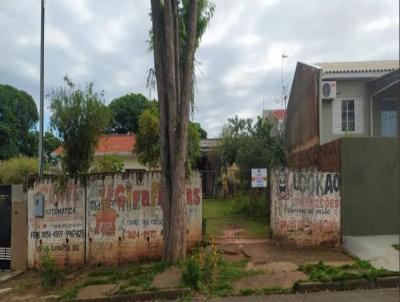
{"points": [[375, 295]]}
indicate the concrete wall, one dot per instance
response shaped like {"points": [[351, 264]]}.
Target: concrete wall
{"points": [[305, 206], [62, 228], [19, 228], [370, 186], [114, 218], [302, 126], [345, 89]]}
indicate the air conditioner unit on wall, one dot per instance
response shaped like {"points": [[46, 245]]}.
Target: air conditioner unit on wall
{"points": [[328, 90]]}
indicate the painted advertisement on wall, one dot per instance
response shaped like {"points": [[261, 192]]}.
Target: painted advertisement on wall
{"points": [[61, 228], [305, 206], [123, 220]]}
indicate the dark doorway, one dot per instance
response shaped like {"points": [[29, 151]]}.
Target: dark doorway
{"points": [[5, 227]]}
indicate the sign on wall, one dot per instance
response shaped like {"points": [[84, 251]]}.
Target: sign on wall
{"points": [[259, 178], [305, 206]]}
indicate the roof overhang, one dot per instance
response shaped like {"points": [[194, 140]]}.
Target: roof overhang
{"points": [[351, 75], [384, 82]]}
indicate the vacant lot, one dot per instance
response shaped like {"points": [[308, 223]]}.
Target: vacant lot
{"points": [[224, 219]]}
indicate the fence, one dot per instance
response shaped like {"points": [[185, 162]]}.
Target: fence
{"points": [[225, 184]]}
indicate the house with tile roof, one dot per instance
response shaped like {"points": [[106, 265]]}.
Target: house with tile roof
{"points": [[339, 99], [121, 145], [276, 118], [343, 117]]}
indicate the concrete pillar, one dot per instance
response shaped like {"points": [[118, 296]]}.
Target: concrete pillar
{"points": [[19, 228]]}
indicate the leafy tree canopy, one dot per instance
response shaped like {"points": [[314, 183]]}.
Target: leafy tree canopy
{"points": [[18, 117], [126, 111], [79, 116], [148, 140], [202, 132], [250, 144]]}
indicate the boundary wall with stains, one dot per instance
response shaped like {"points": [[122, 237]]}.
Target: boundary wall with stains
{"points": [[305, 206], [105, 218]]}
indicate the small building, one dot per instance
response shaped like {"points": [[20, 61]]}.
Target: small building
{"points": [[343, 99], [276, 118], [121, 145], [344, 117]]}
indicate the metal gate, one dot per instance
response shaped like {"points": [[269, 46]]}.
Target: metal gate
{"points": [[5, 227]]}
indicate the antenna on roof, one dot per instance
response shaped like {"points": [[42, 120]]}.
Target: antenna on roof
{"points": [[284, 86]]}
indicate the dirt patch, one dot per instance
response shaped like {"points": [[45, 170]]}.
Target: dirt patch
{"points": [[281, 280], [273, 267], [170, 278], [231, 249], [23, 298], [93, 291], [267, 252]]}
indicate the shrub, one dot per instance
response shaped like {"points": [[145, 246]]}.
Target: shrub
{"points": [[49, 273], [249, 205], [15, 170], [191, 274], [207, 272]]}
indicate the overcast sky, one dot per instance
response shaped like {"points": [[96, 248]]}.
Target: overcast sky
{"points": [[240, 55]]}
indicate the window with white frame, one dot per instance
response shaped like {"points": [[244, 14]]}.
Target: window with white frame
{"points": [[347, 116]]}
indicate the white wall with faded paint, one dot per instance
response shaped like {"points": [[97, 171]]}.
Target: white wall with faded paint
{"points": [[114, 218], [305, 206]]}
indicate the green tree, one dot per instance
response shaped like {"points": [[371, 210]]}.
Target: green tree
{"points": [[50, 143], [148, 140], [18, 117], [79, 116], [177, 27], [202, 132], [250, 144], [126, 111]]}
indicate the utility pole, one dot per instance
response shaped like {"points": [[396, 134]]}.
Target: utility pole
{"points": [[41, 91]]}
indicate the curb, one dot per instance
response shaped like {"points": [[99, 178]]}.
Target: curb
{"points": [[165, 294], [382, 282]]}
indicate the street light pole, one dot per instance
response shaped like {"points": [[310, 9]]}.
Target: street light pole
{"points": [[41, 92]]}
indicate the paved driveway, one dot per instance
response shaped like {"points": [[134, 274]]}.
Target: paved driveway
{"points": [[377, 249]]}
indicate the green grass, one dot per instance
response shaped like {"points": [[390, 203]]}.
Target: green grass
{"points": [[220, 217], [130, 278], [359, 270], [396, 246], [208, 273]]}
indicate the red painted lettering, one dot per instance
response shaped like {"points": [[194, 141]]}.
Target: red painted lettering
{"points": [[120, 196], [196, 196], [145, 198]]}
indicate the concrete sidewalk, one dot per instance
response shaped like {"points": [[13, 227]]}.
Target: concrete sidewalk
{"points": [[376, 249], [382, 295]]}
